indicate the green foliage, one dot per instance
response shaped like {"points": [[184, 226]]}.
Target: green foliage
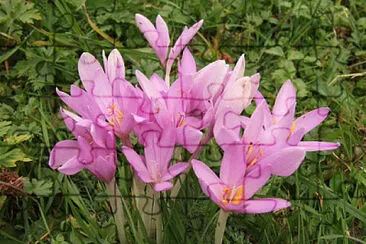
{"points": [[319, 45]]}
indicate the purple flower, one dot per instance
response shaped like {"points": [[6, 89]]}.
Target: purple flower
{"points": [[155, 167], [235, 186], [94, 149]]}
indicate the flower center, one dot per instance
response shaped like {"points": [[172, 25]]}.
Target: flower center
{"points": [[115, 115], [251, 157], [233, 195]]}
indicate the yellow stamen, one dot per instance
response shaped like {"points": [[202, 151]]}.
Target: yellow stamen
{"points": [[274, 121], [254, 161], [260, 152], [293, 126], [250, 150], [233, 195]]}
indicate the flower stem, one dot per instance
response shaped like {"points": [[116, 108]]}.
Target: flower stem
{"points": [[115, 200], [220, 226]]}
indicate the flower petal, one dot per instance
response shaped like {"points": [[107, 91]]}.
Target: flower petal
{"points": [[284, 162], [62, 152], [115, 66], [188, 137], [312, 119], [181, 42], [233, 166], [71, 166], [174, 170], [158, 37], [163, 186], [285, 98], [137, 164], [104, 167], [264, 205], [312, 146], [211, 185], [256, 179]]}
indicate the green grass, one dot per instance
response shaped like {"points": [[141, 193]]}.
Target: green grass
{"points": [[320, 45]]}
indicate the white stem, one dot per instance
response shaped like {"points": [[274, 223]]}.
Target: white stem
{"points": [[220, 226], [115, 200]]}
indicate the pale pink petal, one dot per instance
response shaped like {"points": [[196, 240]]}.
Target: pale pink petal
{"points": [[311, 119], [188, 137], [211, 185], [187, 64], [181, 42], [71, 167], [233, 166], [62, 152], [137, 164], [104, 167], [163, 186], [93, 77], [237, 72], [312, 146], [254, 127], [158, 37], [255, 179], [268, 120], [264, 205], [174, 170], [285, 161], [286, 97], [237, 96], [116, 66], [85, 153]]}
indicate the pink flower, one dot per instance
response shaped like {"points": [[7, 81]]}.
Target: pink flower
{"points": [[235, 186], [94, 149], [158, 38], [155, 167], [275, 138], [108, 95]]}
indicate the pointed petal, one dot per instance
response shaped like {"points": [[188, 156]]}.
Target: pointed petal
{"points": [[211, 185], [268, 120], [254, 128], [284, 162], [311, 146], [188, 64], [62, 152], [285, 98], [71, 166], [163, 39], [237, 72], [256, 179], [264, 205], [182, 41], [312, 119], [158, 37], [92, 75], [163, 186], [104, 167], [137, 164], [174, 170], [188, 137], [116, 66], [233, 165]]}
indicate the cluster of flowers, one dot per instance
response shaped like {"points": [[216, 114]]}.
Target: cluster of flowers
{"points": [[163, 115]]}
